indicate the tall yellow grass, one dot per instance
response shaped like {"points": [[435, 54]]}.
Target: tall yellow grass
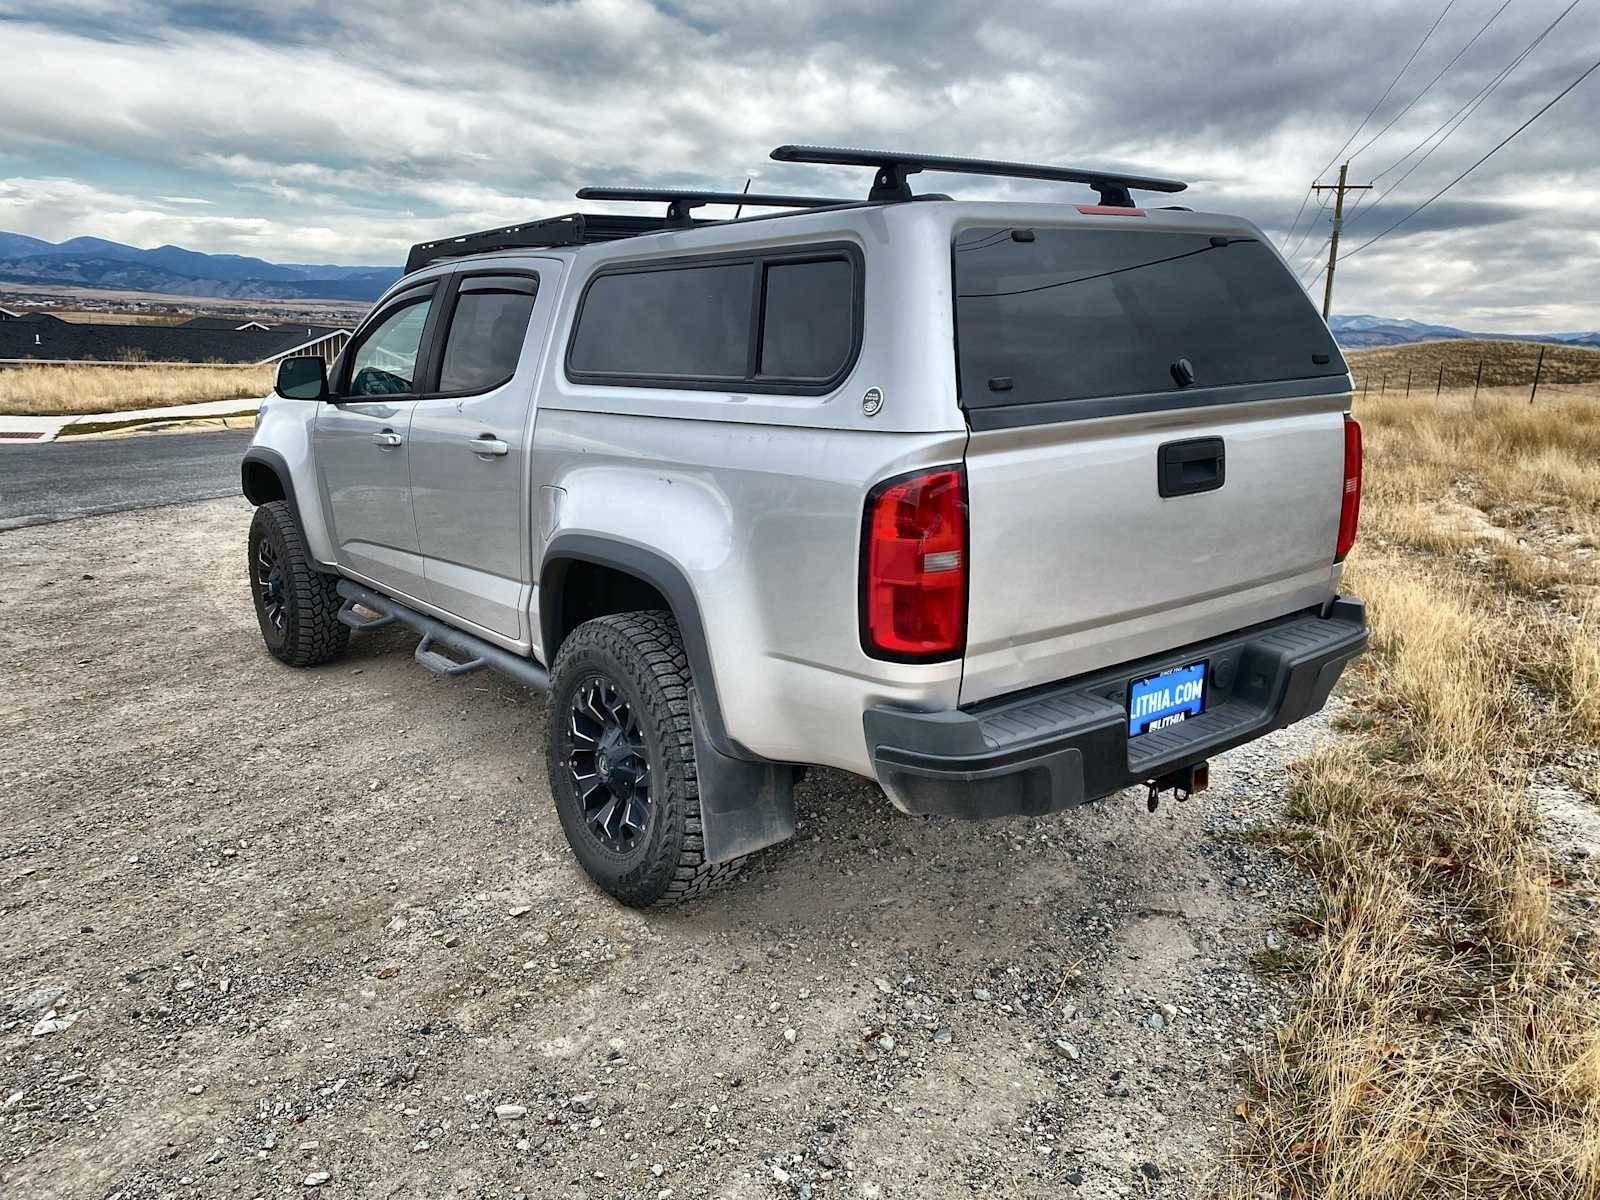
{"points": [[1448, 1039], [56, 391]]}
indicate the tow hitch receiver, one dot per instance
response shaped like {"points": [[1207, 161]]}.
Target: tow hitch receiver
{"points": [[1182, 783]]}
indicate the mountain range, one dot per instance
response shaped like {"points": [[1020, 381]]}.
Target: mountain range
{"points": [[172, 270], [1360, 330]]}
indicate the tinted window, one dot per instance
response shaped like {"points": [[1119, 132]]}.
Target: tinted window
{"points": [[1079, 313], [485, 340], [687, 321], [385, 363], [808, 319]]}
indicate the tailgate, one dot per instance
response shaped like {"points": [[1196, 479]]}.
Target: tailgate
{"points": [[1157, 447]]}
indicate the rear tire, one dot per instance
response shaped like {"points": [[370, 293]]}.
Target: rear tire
{"points": [[619, 748], [297, 606]]}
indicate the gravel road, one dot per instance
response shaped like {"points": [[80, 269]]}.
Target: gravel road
{"points": [[318, 932]]}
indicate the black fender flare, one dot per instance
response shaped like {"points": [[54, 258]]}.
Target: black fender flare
{"points": [[660, 573], [279, 466], [746, 802]]}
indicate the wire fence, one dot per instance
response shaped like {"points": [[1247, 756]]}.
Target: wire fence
{"points": [[1541, 371]]}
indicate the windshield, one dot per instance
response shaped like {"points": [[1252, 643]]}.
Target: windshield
{"points": [[1065, 314]]}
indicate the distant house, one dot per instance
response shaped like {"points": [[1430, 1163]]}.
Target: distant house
{"points": [[8, 314], [322, 341], [39, 337]]}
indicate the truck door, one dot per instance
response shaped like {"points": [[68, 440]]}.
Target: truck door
{"points": [[360, 443], [470, 443]]}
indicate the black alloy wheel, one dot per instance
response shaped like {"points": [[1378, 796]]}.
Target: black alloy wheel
{"points": [[269, 585], [609, 764]]}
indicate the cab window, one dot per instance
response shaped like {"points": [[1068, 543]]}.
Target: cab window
{"points": [[486, 333], [385, 362]]}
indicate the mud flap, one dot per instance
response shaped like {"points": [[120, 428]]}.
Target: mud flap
{"points": [[744, 806]]}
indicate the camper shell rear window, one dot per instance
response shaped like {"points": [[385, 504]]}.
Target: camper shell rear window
{"points": [[1068, 317]]}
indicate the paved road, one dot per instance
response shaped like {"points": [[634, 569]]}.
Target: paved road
{"points": [[66, 479]]}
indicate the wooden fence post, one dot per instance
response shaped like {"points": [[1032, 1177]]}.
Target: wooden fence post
{"points": [[1478, 383], [1439, 387], [1384, 387], [1538, 369], [1408, 381]]}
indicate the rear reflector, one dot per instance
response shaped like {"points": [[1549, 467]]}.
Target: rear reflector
{"points": [[914, 567], [1350, 504], [1108, 210]]}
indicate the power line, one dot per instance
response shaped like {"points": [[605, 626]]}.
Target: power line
{"points": [[1314, 260], [1442, 14], [1464, 113], [1482, 29], [1322, 206], [1594, 66], [1296, 223]]}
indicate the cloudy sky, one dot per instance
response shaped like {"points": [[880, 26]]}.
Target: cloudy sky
{"points": [[308, 133]]}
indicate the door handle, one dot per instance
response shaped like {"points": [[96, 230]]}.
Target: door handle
{"points": [[1196, 465], [388, 439], [487, 443]]}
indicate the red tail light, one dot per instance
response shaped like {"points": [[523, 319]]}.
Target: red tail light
{"points": [[914, 567], [1350, 506]]}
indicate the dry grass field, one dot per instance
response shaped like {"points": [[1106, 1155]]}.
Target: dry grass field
{"points": [[52, 391], [1449, 1038]]}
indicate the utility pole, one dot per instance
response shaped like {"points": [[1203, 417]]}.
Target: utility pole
{"points": [[1338, 221]]}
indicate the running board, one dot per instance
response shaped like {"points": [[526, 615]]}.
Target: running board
{"points": [[474, 651]]}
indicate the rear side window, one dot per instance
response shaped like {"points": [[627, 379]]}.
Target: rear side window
{"points": [[486, 332], [806, 324], [692, 321], [772, 322], [1074, 314]]}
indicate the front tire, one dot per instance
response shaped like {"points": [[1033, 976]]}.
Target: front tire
{"points": [[619, 748], [297, 606]]}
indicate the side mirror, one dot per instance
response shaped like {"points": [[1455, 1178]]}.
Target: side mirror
{"points": [[302, 379]]}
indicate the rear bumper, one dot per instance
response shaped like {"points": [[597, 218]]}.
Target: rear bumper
{"points": [[1067, 743]]}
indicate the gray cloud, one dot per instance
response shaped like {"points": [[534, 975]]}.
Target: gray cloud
{"points": [[351, 129]]}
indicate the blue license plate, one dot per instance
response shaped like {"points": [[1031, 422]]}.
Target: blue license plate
{"points": [[1158, 701]]}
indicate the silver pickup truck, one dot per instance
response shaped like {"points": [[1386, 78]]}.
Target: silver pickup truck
{"points": [[1007, 506]]}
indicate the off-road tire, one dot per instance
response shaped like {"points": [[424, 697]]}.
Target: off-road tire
{"points": [[306, 629], [642, 654]]}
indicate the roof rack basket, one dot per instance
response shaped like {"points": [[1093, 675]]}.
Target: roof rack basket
{"points": [[572, 229], [681, 202]]}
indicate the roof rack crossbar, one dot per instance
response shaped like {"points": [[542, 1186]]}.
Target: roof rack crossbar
{"points": [[892, 166], [680, 201]]}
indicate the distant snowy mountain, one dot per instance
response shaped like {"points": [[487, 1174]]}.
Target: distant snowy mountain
{"points": [[1360, 329], [172, 270]]}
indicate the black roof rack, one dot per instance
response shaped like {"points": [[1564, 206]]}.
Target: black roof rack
{"points": [[888, 187], [680, 201], [893, 166], [572, 229]]}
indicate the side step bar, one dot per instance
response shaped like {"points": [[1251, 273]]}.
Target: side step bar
{"points": [[474, 651]]}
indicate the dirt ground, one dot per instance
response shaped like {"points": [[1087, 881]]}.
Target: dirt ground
{"points": [[306, 932]]}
